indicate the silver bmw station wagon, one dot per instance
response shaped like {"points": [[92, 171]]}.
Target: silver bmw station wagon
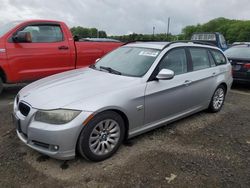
{"points": [[135, 88]]}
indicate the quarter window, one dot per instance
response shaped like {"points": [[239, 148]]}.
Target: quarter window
{"points": [[45, 33], [176, 61], [219, 57], [199, 58], [212, 62]]}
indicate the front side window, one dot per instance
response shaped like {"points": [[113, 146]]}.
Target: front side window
{"points": [[199, 58], [219, 57], [130, 61], [44, 33], [175, 60]]}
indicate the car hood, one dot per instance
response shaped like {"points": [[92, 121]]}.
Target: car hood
{"points": [[62, 89]]}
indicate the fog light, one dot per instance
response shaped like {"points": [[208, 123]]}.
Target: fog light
{"points": [[54, 147]]}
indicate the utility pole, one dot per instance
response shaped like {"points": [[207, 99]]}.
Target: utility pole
{"points": [[168, 27], [153, 30]]}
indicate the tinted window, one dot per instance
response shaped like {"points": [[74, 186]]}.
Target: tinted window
{"points": [[218, 57], [45, 33], [129, 61], [176, 61], [199, 58]]}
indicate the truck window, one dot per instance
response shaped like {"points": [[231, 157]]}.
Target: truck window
{"points": [[45, 33], [223, 41]]}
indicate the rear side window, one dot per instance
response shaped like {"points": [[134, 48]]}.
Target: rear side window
{"points": [[200, 58], [218, 57], [175, 60], [45, 33]]}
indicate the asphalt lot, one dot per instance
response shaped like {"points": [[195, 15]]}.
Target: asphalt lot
{"points": [[203, 150]]}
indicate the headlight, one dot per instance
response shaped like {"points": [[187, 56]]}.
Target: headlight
{"points": [[60, 116]]}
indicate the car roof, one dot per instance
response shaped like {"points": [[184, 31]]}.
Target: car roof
{"points": [[241, 45], [162, 45]]}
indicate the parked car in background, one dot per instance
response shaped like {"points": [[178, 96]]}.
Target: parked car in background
{"points": [[133, 89], [239, 57], [214, 38], [30, 50]]}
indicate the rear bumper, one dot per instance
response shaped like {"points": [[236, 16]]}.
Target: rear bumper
{"points": [[241, 76], [241, 80]]}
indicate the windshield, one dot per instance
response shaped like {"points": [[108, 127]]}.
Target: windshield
{"points": [[130, 61], [241, 52], [5, 28]]}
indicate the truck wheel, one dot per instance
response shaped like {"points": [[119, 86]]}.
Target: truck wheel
{"points": [[1, 85], [102, 136]]}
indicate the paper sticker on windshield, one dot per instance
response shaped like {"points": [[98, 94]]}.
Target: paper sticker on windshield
{"points": [[149, 53]]}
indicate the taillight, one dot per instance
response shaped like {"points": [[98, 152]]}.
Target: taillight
{"points": [[247, 66]]}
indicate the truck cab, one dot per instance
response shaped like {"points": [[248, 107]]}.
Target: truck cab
{"points": [[215, 38], [34, 49]]}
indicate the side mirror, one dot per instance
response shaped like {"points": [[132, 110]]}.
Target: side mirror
{"points": [[22, 37], [165, 74], [97, 60], [76, 38]]}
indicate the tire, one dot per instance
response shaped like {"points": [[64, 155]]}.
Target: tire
{"points": [[102, 136], [1, 85], [218, 99]]}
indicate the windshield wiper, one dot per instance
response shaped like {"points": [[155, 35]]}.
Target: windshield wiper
{"points": [[110, 70]]}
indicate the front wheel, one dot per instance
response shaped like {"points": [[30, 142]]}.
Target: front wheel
{"points": [[218, 99], [102, 136]]}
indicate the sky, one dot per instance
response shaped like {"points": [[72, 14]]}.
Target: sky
{"points": [[119, 17]]}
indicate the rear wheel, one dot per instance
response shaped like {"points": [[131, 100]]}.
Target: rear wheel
{"points": [[218, 99], [102, 136], [1, 85]]}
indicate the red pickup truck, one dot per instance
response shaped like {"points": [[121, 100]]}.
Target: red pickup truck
{"points": [[30, 50]]}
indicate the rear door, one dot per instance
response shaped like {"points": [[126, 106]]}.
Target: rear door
{"points": [[47, 54], [204, 73], [169, 98]]}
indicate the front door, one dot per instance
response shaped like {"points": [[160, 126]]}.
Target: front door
{"points": [[47, 54], [166, 99]]}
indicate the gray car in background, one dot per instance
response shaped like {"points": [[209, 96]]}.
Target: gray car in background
{"points": [[135, 88]]}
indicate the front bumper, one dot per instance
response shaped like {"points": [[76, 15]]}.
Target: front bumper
{"points": [[56, 141]]}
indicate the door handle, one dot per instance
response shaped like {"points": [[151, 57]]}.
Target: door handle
{"points": [[214, 74], [187, 82], [63, 47]]}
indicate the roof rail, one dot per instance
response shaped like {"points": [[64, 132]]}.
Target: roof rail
{"points": [[187, 41], [173, 42], [132, 41]]}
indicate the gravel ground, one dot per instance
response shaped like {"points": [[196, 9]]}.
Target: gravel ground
{"points": [[203, 150]]}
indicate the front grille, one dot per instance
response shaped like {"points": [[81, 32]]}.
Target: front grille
{"points": [[24, 108]]}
